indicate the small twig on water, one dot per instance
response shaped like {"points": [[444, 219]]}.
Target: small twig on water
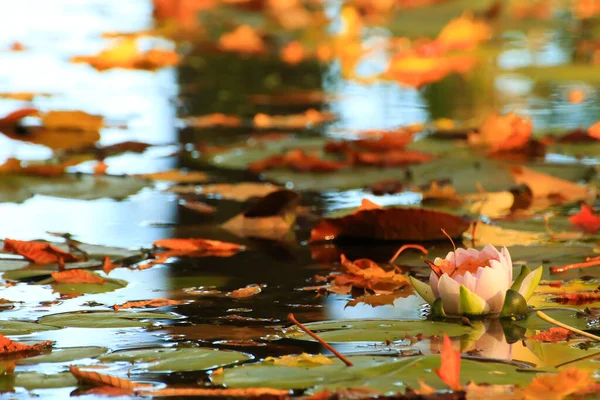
{"points": [[589, 262], [318, 339], [407, 246], [547, 318]]}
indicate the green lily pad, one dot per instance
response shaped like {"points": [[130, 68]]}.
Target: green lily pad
{"points": [[386, 374], [66, 354], [35, 380], [108, 286], [11, 327], [177, 359], [106, 319], [569, 317], [377, 330]]}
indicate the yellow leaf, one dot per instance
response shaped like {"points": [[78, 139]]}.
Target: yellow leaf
{"points": [[301, 360], [556, 386], [72, 120]]}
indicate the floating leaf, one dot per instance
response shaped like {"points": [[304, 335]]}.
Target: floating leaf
{"points": [[301, 360], [105, 319], [449, 371], [38, 252], [148, 304], [77, 276], [96, 378], [66, 354]]}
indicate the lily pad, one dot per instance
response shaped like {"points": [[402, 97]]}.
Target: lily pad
{"points": [[377, 330], [106, 319], [35, 380], [66, 354], [108, 286], [11, 327], [177, 359], [386, 374]]}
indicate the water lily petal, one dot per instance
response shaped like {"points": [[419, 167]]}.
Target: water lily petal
{"points": [[449, 291], [509, 263], [488, 288], [489, 252], [464, 255], [470, 303], [433, 283], [423, 289], [502, 273], [470, 281], [530, 283]]}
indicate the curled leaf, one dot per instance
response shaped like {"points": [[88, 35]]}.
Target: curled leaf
{"points": [[38, 252]]}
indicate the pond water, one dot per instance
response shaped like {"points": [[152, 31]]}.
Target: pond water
{"points": [[529, 66]]}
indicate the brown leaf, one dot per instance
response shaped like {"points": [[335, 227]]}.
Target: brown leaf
{"points": [[557, 386], [577, 298], [176, 175], [148, 304], [108, 265], [296, 160], [38, 252], [553, 335], [376, 300], [77, 276], [246, 292], [406, 224], [14, 117], [393, 158], [198, 206], [7, 346], [544, 186], [96, 378], [193, 245]]}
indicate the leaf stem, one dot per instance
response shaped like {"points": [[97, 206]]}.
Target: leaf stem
{"points": [[407, 246], [318, 339], [547, 318], [589, 262]]}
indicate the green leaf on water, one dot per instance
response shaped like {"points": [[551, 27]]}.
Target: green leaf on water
{"points": [[377, 330], [106, 319], [12, 327], [35, 380], [176, 359], [66, 354]]}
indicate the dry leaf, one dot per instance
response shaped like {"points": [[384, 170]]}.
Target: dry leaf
{"points": [[198, 206], [586, 219], [176, 175], [193, 245], [244, 39], [237, 191], [553, 335], [544, 186], [108, 265], [296, 160], [72, 120], [14, 117], [503, 132], [406, 224], [556, 386], [310, 117], [77, 276], [449, 371], [293, 53], [96, 378], [38, 252], [301, 360], [214, 120], [594, 130], [148, 304], [577, 298], [7, 346], [246, 292]]}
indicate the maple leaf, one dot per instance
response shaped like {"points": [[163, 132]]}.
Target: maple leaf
{"points": [[7, 346], [38, 252], [77, 276], [148, 304], [586, 219], [406, 224], [449, 371], [553, 335]]}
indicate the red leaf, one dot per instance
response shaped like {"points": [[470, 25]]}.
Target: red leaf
{"points": [[77, 276], [15, 116], [586, 219], [553, 335], [406, 224], [449, 371], [38, 252]]}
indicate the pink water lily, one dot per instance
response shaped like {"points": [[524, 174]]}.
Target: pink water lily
{"points": [[473, 282]]}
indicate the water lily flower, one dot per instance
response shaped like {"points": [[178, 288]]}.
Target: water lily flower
{"points": [[473, 282]]}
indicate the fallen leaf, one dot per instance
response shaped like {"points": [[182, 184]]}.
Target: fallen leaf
{"points": [[577, 298], [237, 191], [293, 53], [72, 120], [463, 33], [498, 236], [198, 206], [7, 346], [406, 224], [49, 168], [449, 371], [556, 386], [575, 136], [214, 120], [246, 393], [148, 304], [38, 252], [374, 141], [296, 160], [177, 175], [545, 186], [109, 391], [441, 193], [377, 300], [310, 117], [96, 378], [553, 335], [586, 219], [594, 130], [194, 245], [244, 39], [301, 360], [14, 117], [392, 158], [246, 292], [503, 132], [100, 168], [367, 204], [77, 276], [108, 265]]}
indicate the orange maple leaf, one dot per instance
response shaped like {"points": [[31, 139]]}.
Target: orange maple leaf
{"points": [[7, 346], [449, 371], [38, 252], [77, 276], [586, 219]]}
